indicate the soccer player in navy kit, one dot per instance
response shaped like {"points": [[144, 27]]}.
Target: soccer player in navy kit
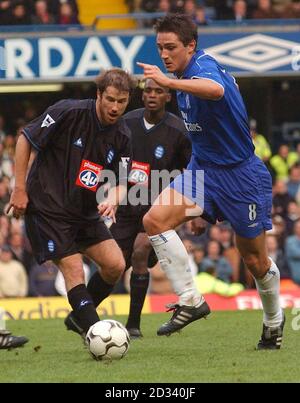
{"points": [[159, 142], [236, 185], [75, 141]]}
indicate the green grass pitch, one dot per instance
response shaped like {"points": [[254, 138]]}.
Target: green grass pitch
{"points": [[220, 349]]}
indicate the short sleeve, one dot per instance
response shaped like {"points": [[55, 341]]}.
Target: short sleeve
{"points": [[41, 130], [208, 69]]}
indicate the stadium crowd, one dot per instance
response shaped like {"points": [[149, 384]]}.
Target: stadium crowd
{"points": [[213, 253], [64, 12], [238, 10], [26, 12]]}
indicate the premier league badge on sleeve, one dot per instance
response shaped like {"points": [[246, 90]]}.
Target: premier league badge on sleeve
{"points": [[89, 175]]}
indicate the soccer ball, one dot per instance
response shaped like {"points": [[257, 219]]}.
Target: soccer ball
{"points": [[108, 340]]}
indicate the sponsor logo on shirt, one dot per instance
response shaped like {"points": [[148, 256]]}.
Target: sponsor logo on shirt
{"points": [[139, 173], [159, 152], [48, 121], [89, 175]]}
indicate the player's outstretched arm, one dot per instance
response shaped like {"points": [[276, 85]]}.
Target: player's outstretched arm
{"points": [[19, 199], [202, 88]]}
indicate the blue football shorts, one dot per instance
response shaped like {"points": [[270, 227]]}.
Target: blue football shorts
{"points": [[240, 194]]}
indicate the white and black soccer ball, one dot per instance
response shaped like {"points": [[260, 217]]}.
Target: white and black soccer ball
{"points": [[108, 340]]}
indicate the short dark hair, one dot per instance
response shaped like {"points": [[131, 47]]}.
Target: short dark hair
{"points": [[117, 78], [182, 25]]}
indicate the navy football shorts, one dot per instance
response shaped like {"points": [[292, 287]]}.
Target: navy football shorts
{"points": [[54, 239]]}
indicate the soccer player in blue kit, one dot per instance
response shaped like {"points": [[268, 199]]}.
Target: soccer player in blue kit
{"points": [[235, 184]]}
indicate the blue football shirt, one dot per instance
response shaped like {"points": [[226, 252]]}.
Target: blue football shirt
{"points": [[219, 129]]}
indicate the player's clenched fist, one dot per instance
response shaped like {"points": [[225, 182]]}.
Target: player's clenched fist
{"points": [[18, 202]]}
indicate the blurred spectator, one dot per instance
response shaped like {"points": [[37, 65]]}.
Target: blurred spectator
{"points": [[279, 230], [277, 255], [5, 11], [281, 198], [55, 5], [223, 9], [198, 255], [190, 8], [200, 16], [133, 5], [293, 185], [239, 11], [17, 245], [262, 147], [13, 278], [292, 251], [42, 280], [215, 233], [230, 252], [283, 161], [185, 231], [264, 10], [293, 215], [159, 283], [19, 15], [66, 15], [4, 197], [164, 6], [42, 15], [177, 6], [291, 10], [149, 6], [2, 131], [189, 246], [215, 259], [4, 226]]}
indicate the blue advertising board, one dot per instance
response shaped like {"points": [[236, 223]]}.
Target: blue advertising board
{"points": [[81, 56]]}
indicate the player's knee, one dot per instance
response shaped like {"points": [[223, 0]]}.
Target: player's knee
{"points": [[152, 224], [258, 265]]}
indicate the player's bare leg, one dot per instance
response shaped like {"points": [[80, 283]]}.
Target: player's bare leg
{"points": [[139, 282], [267, 279], [170, 210], [84, 314]]}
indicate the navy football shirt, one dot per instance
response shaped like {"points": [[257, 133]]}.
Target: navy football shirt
{"points": [[72, 151], [219, 129]]}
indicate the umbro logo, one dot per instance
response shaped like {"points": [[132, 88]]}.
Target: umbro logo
{"points": [[84, 303], [255, 224], [78, 143], [48, 121]]}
